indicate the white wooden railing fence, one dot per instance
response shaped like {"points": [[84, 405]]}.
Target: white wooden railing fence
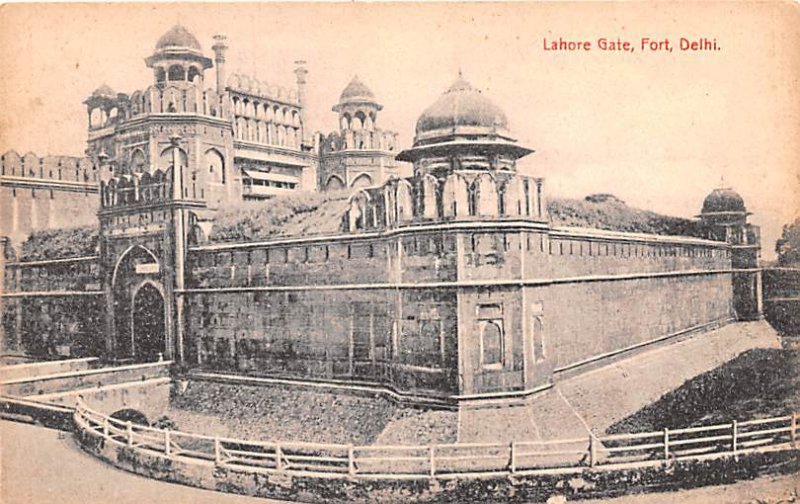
{"points": [[465, 459]]}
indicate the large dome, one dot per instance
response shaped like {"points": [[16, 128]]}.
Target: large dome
{"points": [[462, 106], [178, 37], [723, 200]]}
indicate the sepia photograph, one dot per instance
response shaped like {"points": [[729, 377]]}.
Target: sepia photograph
{"points": [[393, 252]]}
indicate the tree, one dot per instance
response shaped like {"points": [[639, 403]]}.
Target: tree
{"points": [[788, 245]]}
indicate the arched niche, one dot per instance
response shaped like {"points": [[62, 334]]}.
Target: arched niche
{"points": [[334, 183], [363, 180], [455, 202], [215, 164]]}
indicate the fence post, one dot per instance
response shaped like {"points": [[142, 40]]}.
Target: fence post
{"points": [[592, 451], [278, 456], [217, 451], [794, 429], [167, 449], [513, 457], [105, 427], [351, 463], [130, 434], [735, 440], [432, 453], [666, 444]]}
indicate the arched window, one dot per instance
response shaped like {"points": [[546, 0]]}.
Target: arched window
{"points": [[176, 73], [404, 201], [137, 162], [455, 199], [194, 72], [161, 74], [429, 206], [486, 196], [96, 117], [358, 120]]}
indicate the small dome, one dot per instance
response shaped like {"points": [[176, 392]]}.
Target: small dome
{"points": [[723, 200], [462, 105], [356, 91], [104, 91], [178, 36]]}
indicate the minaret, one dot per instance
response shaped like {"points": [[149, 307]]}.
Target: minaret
{"points": [[301, 72], [219, 49]]}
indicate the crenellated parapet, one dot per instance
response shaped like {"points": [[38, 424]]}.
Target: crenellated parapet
{"points": [[137, 188], [108, 112], [171, 99], [358, 139], [58, 169], [246, 85]]}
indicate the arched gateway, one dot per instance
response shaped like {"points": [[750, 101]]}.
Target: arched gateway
{"points": [[140, 308]]}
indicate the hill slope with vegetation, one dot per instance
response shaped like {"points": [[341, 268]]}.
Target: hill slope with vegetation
{"points": [[759, 383], [605, 211], [315, 214]]}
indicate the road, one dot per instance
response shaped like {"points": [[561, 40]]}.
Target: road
{"points": [[42, 466]]}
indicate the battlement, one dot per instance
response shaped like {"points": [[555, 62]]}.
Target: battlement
{"points": [[357, 139], [67, 169], [245, 84], [108, 112]]}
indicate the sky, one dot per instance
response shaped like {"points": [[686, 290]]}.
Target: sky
{"points": [[657, 129]]}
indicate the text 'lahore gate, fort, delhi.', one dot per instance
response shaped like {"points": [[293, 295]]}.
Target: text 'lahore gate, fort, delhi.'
{"points": [[452, 284]]}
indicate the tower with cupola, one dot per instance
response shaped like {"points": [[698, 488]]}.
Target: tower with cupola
{"points": [[465, 161], [724, 218], [165, 154], [360, 153]]}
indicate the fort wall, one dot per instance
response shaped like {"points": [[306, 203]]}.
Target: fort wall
{"points": [[403, 308], [45, 193], [53, 308]]}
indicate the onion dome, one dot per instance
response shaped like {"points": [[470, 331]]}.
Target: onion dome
{"points": [[462, 109], [723, 200], [178, 37]]}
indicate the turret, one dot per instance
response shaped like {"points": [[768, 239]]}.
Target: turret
{"points": [[178, 58], [724, 218], [219, 48], [357, 107]]}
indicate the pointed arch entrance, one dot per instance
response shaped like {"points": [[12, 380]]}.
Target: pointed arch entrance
{"points": [[140, 306], [148, 324]]}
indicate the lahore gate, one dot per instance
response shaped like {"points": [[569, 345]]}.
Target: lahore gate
{"points": [[219, 233]]}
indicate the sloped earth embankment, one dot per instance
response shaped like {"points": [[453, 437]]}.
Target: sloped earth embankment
{"points": [[265, 412], [605, 396], [760, 383]]}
